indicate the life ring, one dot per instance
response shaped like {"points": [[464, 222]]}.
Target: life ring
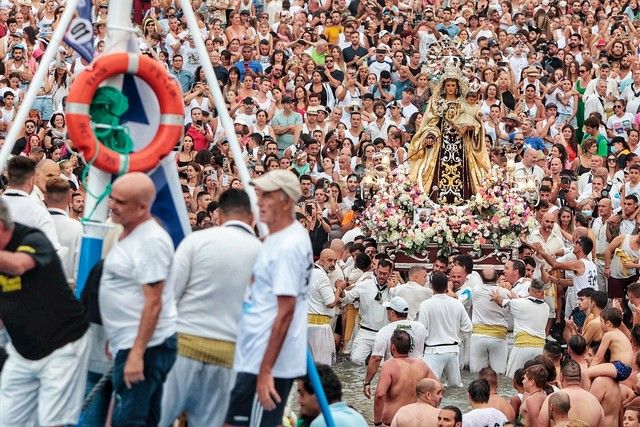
{"points": [[169, 97]]}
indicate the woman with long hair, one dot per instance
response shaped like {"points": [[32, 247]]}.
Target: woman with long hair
{"points": [[199, 96], [581, 84], [186, 155], [558, 151], [490, 98], [300, 101], [567, 137], [233, 81], [566, 223], [56, 135], [582, 164], [194, 176]]}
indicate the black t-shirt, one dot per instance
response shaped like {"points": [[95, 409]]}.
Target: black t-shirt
{"points": [[350, 53], [38, 308]]}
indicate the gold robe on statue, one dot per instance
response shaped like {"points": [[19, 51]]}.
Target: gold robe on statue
{"points": [[453, 167]]}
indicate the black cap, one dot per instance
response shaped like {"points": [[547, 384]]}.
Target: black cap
{"points": [[287, 100]]}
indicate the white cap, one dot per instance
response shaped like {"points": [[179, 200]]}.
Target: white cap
{"points": [[397, 304], [279, 179]]}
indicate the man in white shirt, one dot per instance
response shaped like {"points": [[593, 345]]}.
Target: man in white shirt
{"points": [[414, 291], [45, 169], [138, 309], [372, 293], [597, 100], [57, 198], [447, 322], [482, 414], [599, 228], [529, 322], [631, 94], [22, 207], [527, 167], [210, 277], [323, 297], [605, 87], [488, 343], [272, 336]]}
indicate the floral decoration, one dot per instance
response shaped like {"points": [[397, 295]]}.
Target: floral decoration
{"points": [[497, 215]]}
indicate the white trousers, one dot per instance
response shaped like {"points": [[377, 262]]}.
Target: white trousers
{"points": [[488, 351], [323, 346], [447, 364], [52, 387], [362, 346], [200, 389], [518, 356]]}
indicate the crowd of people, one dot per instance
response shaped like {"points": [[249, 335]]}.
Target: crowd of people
{"points": [[321, 93]]}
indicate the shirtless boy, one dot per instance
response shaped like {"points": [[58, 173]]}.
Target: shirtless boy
{"points": [[398, 379], [619, 346]]}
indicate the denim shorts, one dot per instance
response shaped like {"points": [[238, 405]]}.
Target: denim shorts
{"points": [[44, 105], [140, 405]]}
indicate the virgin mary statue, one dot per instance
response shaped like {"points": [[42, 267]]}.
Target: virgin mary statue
{"points": [[449, 158]]}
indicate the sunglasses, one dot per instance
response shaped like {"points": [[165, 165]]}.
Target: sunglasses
{"points": [[611, 160]]}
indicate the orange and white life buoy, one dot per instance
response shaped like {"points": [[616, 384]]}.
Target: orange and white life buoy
{"points": [[84, 88]]}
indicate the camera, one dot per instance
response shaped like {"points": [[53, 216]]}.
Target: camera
{"points": [[309, 208]]}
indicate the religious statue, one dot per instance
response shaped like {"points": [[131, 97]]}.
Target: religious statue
{"points": [[448, 155]]}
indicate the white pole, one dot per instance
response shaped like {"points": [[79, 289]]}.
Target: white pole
{"points": [[221, 107], [36, 81], [118, 29]]}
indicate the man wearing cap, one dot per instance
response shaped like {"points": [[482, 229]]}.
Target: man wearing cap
{"points": [[272, 335], [247, 112], [397, 311], [287, 125], [379, 64], [323, 297], [529, 321]]}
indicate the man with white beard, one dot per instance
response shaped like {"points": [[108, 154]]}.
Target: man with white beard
{"points": [[323, 297]]}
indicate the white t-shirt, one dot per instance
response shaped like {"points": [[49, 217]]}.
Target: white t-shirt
{"points": [[142, 257], [382, 343], [481, 417], [283, 268]]}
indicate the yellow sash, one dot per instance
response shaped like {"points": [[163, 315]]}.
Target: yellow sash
{"points": [[319, 319], [496, 331], [523, 339], [207, 350]]}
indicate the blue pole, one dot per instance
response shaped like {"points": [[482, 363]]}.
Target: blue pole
{"points": [[90, 251], [319, 391]]}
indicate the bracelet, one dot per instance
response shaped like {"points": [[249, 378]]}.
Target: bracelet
{"points": [[366, 383], [378, 424]]}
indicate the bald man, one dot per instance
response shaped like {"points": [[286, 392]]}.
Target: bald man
{"points": [[559, 405], [323, 297], [425, 411], [138, 310], [45, 170]]}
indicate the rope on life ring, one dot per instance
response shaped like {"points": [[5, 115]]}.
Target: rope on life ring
{"points": [[81, 130]]}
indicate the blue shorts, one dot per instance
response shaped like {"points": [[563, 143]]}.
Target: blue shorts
{"points": [[622, 371], [140, 405]]}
